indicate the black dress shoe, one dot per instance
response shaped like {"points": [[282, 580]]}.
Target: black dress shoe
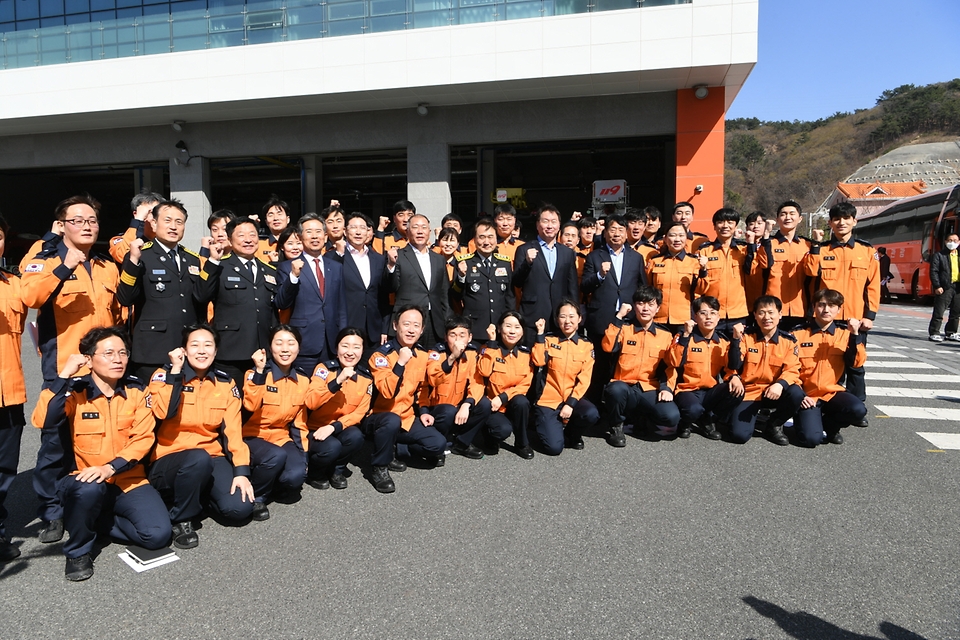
{"points": [[338, 481], [684, 431], [863, 422], [319, 483], [382, 481], [491, 446], [397, 466], [8, 551], [52, 532], [78, 569], [835, 438], [260, 512], [776, 435], [710, 431], [525, 452], [184, 537], [437, 462], [615, 437], [573, 442], [466, 450]]}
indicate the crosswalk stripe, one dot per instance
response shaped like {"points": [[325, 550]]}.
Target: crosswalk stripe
{"points": [[885, 354], [922, 413], [907, 392], [901, 347], [913, 377], [941, 440], [900, 365]]}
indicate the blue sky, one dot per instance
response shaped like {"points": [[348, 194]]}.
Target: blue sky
{"points": [[817, 57]]}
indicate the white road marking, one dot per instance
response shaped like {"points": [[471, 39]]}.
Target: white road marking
{"points": [[907, 392], [900, 365], [886, 354], [913, 377], [920, 413], [941, 440]]}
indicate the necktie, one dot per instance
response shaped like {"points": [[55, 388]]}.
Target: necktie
{"points": [[252, 270], [174, 259], [320, 280]]}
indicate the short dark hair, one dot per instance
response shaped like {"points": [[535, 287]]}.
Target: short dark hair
{"points": [[652, 213], [457, 322], [447, 232], [566, 302], [789, 203], [284, 236], [403, 205], [510, 313], [350, 331], [726, 215], [766, 301], [646, 293], [486, 223], [709, 301], [842, 210], [200, 326], [756, 215], [683, 204], [285, 327], [307, 217], [407, 307], [172, 203], [632, 215], [275, 201], [671, 226], [548, 207], [236, 222], [505, 208], [588, 221], [451, 217], [60, 213], [570, 224], [329, 211], [90, 340], [220, 214], [144, 197], [830, 296], [356, 214], [615, 219], [4, 226]]}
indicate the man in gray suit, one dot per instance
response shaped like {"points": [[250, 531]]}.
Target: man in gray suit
{"points": [[418, 276]]}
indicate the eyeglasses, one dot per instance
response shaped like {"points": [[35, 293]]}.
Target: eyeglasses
{"points": [[109, 354], [80, 222]]}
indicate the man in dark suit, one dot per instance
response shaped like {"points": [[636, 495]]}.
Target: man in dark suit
{"points": [[243, 311], [546, 272], [162, 282], [611, 275], [367, 305], [483, 280], [418, 276], [312, 286]]}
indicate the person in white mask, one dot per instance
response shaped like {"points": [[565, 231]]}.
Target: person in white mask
{"points": [[944, 276]]}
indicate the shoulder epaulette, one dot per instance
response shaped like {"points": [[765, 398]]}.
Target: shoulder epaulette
{"points": [[702, 235], [472, 346], [331, 365], [223, 376], [147, 245], [225, 256], [364, 370], [385, 348], [500, 256], [465, 256], [79, 383], [300, 371], [192, 253], [440, 347], [134, 382], [787, 335], [863, 242], [101, 256], [662, 327], [523, 348]]}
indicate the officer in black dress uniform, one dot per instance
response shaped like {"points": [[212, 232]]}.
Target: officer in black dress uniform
{"points": [[167, 288], [482, 280]]}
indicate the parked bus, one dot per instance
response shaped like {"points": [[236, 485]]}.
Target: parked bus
{"points": [[912, 230]]}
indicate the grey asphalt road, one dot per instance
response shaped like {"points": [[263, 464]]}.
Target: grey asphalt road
{"points": [[671, 539]]}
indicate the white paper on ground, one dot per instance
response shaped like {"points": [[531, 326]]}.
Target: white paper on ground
{"points": [[140, 568]]}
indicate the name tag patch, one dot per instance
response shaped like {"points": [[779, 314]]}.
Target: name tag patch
{"points": [[270, 279], [193, 270], [500, 271], [271, 389], [806, 344], [90, 415]]}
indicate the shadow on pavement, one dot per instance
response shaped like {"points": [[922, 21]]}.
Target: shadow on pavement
{"points": [[805, 626]]}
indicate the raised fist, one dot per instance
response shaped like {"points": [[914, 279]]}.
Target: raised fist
{"points": [[491, 332], [541, 325], [296, 267], [462, 268], [688, 327], [392, 256], [738, 331], [177, 356], [531, 255], [73, 364], [136, 250], [405, 355], [259, 358], [624, 310], [605, 268], [74, 258], [817, 234]]}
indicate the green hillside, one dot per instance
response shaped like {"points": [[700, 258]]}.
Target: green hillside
{"points": [[768, 162]]}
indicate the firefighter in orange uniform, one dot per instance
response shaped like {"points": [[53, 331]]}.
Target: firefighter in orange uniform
{"points": [[13, 390], [276, 432], [706, 366], [200, 455], [783, 256], [338, 398], [852, 267], [674, 272], [74, 292], [397, 239], [456, 399], [641, 387], [106, 427], [769, 375], [504, 367], [562, 413], [399, 370], [276, 218], [142, 226], [683, 214], [723, 270], [827, 349]]}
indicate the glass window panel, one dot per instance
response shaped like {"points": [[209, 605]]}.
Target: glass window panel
{"points": [[53, 42], [131, 12], [473, 3], [25, 25], [226, 23], [77, 6], [82, 37], [389, 23], [477, 14], [100, 16], [192, 5], [613, 5], [157, 32], [304, 15], [261, 36], [522, 10], [190, 43], [219, 4], [432, 5], [305, 32], [84, 53], [264, 19], [7, 13], [50, 8], [102, 5], [431, 19], [387, 7], [6, 27], [192, 27], [156, 9], [226, 39], [565, 7], [126, 3], [345, 11], [345, 27], [150, 47], [79, 18], [56, 21], [27, 9]]}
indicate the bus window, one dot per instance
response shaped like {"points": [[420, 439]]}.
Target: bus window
{"points": [[927, 240]]}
